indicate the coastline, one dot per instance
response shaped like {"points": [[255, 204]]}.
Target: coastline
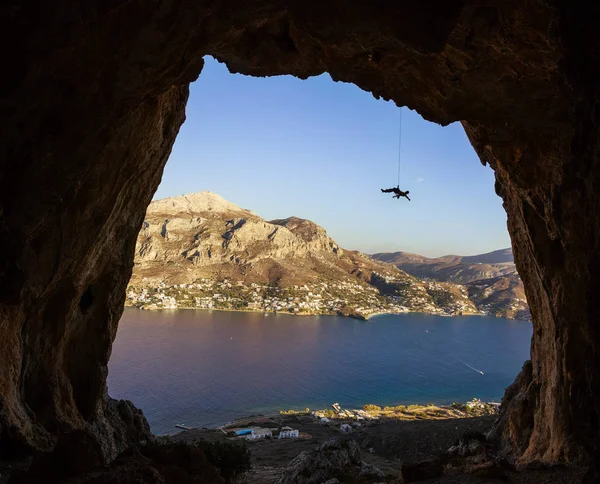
{"points": [[357, 316], [257, 311], [374, 413]]}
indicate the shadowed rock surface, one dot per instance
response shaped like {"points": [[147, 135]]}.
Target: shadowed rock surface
{"points": [[328, 461], [94, 95], [150, 463]]}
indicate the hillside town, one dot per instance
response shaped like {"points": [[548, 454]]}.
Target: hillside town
{"points": [[200, 251], [344, 298]]}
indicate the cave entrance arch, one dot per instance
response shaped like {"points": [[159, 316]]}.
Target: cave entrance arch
{"points": [[94, 100], [255, 162]]}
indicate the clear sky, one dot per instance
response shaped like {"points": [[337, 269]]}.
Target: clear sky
{"points": [[322, 150]]}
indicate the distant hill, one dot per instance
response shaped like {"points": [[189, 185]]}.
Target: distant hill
{"points": [[501, 256], [453, 268], [492, 280], [200, 250]]}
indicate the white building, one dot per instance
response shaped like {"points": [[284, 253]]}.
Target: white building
{"points": [[288, 433], [257, 434]]}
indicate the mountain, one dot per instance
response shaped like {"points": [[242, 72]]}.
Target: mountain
{"points": [[453, 268], [491, 279], [501, 256], [203, 235], [200, 250]]}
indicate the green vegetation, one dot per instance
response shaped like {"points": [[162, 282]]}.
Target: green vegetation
{"points": [[328, 413], [440, 297], [397, 408], [371, 408], [475, 410], [306, 411]]}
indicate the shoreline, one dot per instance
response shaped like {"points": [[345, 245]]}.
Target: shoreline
{"points": [[369, 412], [257, 311], [359, 317]]}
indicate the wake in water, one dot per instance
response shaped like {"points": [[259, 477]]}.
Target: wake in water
{"points": [[469, 366]]}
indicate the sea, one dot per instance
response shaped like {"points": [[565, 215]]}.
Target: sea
{"points": [[205, 368]]}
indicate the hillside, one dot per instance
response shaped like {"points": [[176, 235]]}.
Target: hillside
{"points": [[492, 280], [501, 256], [453, 268], [502, 296], [201, 251], [204, 236]]}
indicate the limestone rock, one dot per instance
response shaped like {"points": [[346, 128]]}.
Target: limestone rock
{"points": [[93, 98], [341, 453], [195, 204], [370, 471], [120, 426], [472, 443], [321, 464], [202, 234], [307, 468], [515, 423]]}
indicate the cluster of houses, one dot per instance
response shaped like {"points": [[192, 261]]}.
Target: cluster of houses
{"points": [[308, 298], [314, 298], [477, 404], [259, 433], [356, 414]]}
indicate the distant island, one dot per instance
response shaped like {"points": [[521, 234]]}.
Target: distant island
{"points": [[201, 251]]}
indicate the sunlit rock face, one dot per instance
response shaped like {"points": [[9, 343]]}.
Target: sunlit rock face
{"points": [[93, 95]]}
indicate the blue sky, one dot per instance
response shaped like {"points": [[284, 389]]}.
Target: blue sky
{"points": [[322, 150]]}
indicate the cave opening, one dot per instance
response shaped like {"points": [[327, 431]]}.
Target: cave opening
{"points": [[267, 133], [94, 102]]}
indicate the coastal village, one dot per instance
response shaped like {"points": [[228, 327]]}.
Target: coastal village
{"points": [[315, 443], [260, 427], [199, 251], [343, 298]]}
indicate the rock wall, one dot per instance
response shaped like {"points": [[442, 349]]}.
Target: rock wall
{"points": [[81, 158], [92, 99]]}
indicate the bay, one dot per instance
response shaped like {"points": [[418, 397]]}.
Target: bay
{"points": [[203, 368]]}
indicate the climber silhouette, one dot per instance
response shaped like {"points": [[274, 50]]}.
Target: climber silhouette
{"points": [[398, 193]]}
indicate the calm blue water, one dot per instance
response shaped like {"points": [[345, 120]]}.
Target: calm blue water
{"points": [[205, 368]]}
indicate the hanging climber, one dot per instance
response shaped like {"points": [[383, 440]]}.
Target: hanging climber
{"points": [[398, 193], [396, 190]]}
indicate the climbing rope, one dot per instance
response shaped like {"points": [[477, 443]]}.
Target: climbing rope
{"points": [[398, 193], [399, 146]]}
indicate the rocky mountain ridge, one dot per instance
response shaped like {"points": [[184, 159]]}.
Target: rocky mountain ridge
{"points": [[492, 279], [453, 268], [203, 235], [200, 250]]}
